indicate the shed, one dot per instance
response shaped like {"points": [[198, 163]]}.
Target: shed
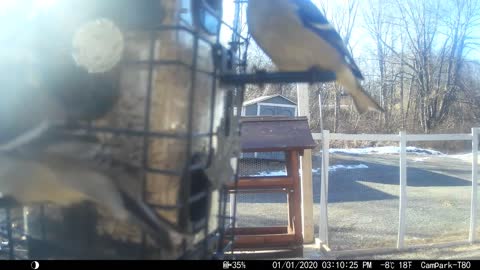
{"points": [[275, 105]]}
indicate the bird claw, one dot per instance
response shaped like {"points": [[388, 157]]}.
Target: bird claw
{"points": [[316, 74], [259, 72]]}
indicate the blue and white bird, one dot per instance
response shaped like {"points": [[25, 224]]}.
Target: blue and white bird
{"points": [[298, 37]]}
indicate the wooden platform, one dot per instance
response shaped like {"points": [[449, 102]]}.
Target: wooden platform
{"points": [[290, 135]]}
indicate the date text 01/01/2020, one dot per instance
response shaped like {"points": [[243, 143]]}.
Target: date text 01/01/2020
{"points": [[309, 264], [306, 264], [387, 265], [297, 264]]}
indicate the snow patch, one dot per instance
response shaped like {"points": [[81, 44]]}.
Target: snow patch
{"points": [[419, 159], [334, 168], [385, 150], [317, 171], [270, 174]]}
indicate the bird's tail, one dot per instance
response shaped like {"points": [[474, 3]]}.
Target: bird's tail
{"points": [[362, 100]]}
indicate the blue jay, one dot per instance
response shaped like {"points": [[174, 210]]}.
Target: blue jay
{"points": [[297, 37]]}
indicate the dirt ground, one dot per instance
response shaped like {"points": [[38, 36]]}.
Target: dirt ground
{"points": [[463, 252]]}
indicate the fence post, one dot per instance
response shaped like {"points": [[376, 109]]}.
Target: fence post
{"points": [[233, 200], [403, 190], [473, 208], [323, 224], [306, 164], [307, 197], [25, 211], [326, 146]]}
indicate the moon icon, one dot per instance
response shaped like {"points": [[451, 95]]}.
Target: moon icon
{"points": [[35, 265]]}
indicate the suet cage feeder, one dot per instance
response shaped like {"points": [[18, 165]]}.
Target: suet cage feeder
{"points": [[173, 121]]}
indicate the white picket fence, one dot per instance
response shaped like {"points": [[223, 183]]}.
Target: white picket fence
{"points": [[402, 138]]}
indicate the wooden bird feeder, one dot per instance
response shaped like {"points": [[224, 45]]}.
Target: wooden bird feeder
{"points": [[290, 135]]}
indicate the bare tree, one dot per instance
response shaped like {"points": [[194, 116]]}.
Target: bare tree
{"points": [[435, 58], [416, 58], [344, 20]]}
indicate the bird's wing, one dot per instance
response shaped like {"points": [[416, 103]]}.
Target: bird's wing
{"points": [[26, 112], [73, 156], [125, 178], [314, 20], [25, 138]]}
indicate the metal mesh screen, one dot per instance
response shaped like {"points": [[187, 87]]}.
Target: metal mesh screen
{"points": [[262, 164], [478, 210], [478, 214], [363, 202], [262, 209], [12, 234], [438, 191]]}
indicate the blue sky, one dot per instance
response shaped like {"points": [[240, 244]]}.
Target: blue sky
{"points": [[361, 42]]}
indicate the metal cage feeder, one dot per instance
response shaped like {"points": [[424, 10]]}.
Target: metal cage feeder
{"points": [[177, 120], [175, 123]]}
